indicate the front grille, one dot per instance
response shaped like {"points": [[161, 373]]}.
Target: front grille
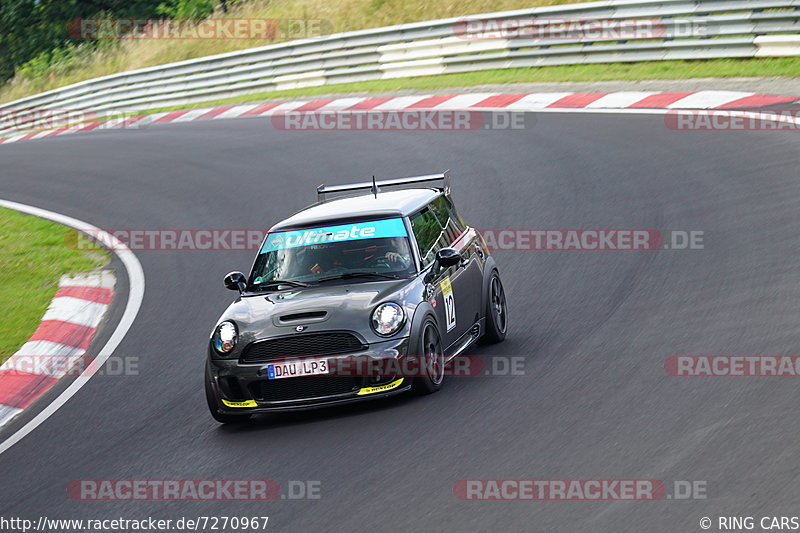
{"points": [[312, 344], [273, 390]]}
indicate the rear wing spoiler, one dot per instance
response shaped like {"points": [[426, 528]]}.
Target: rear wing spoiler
{"points": [[440, 182]]}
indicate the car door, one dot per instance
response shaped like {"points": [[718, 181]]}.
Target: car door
{"points": [[455, 291], [466, 278]]}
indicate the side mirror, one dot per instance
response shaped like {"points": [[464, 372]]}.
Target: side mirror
{"points": [[235, 281], [447, 257]]}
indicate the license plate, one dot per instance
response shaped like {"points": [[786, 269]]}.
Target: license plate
{"points": [[293, 369]]}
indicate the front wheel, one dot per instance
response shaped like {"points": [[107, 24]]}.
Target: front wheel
{"points": [[212, 406], [496, 311], [432, 359]]}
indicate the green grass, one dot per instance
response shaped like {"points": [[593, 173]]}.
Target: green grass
{"points": [[34, 254], [664, 70], [86, 62]]}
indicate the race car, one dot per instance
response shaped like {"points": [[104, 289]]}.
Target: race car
{"points": [[383, 276]]}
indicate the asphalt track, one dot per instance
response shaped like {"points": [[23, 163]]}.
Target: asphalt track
{"points": [[595, 327]]}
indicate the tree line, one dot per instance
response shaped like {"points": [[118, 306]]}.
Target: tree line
{"points": [[32, 30]]}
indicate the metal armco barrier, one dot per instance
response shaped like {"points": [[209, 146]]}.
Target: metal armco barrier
{"points": [[679, 29]]}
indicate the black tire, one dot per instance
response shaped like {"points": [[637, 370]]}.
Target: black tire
{"points": [[496, 311], [213, 406], [431, 359]]}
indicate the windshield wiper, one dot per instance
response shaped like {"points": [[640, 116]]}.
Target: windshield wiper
{"points": [[348, 275], [282, 282]]}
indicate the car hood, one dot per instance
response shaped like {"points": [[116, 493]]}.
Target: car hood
{"points": [[332, 306]]}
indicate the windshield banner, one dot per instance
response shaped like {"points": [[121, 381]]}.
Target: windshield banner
{"points": [[376, 229]]}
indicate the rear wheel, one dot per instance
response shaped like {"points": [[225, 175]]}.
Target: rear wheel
{"points": [[211, 398], [496, 311], [432, 359]]}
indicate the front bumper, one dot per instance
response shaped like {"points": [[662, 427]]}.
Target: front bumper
{"points": [[244, 388]]}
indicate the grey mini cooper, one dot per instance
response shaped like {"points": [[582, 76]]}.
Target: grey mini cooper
{"points": [[368, 293]]}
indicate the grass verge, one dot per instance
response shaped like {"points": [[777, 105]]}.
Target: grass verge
{"points": [[34, 254], [89, 60]]}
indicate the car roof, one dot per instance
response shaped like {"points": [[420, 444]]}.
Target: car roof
{"points": [[397, 203]]}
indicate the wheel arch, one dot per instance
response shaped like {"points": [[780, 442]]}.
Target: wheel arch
{"points": [[422, 312], [489, 266]]}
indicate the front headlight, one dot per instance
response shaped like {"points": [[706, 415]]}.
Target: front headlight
{"points": [[388, 318], [225, 337]]}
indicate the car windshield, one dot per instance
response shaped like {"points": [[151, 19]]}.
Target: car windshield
{"points": [[369, 250]]}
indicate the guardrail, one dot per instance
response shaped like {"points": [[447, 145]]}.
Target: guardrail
{"points": [[686, 29]]}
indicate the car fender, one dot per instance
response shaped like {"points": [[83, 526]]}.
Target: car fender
{"points": [[423, 310], [488, 267]]}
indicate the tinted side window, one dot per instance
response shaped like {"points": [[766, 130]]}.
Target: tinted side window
{"points": [[446, 214], [426, 231], [437, 226]]}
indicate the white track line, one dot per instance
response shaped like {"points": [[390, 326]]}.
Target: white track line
{"points": [[135, 296]]}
